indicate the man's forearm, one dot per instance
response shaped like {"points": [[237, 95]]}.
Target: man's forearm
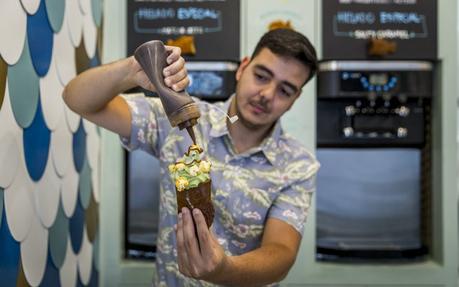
{"points": [[93, 89], [265, 265]]}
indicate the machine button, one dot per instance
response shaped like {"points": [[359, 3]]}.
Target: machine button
{"points": [[348, 132], [402, 132], [403, 111], [350, 110]]}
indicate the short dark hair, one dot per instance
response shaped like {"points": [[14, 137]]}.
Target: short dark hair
{"points": [[289, 43]]}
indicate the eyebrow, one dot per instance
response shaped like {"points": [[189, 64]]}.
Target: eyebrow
{"points": [[266, 70]]}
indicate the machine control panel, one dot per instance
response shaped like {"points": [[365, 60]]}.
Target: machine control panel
{"points": [[373, 103], [374, 79]]}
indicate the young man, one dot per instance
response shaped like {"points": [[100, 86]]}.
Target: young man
{"points": [[262, 179]]}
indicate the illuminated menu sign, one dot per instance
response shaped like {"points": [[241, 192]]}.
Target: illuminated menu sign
{"points": [[207, 29], [408, 28]]}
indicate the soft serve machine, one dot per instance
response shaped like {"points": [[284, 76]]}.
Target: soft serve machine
{"points": [[373, 142]]}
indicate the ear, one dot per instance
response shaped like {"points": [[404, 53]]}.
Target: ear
{"points": [[245, 61]]}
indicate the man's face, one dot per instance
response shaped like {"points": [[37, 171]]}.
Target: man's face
{"points": [[268, 85]]}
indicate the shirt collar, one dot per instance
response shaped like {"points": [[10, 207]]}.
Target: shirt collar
{"points": [[218, 118], [269, 147]]}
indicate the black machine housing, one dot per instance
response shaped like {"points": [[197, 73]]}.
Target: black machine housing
{"points": [[373, 142]]}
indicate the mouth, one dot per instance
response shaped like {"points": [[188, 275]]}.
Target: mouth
{"points": [[258, 109]]}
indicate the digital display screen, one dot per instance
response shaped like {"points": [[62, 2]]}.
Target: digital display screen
{"points": [[369, 82], [378, 79]]}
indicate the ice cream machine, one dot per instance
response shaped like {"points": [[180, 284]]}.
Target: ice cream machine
{"points": [[373, 142]]}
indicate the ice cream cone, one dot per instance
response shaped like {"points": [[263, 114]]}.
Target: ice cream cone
{"points": [[197, 197]]}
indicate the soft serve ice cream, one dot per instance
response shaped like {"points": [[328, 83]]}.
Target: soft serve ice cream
{"points": [[191, 175]]}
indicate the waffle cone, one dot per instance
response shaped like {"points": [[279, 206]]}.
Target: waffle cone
{"points": [[197, 197]]}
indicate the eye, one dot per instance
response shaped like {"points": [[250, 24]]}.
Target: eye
{"points": [[286, 92], [261, 77]]}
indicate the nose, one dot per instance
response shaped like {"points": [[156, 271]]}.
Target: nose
{"points": [[268, 92]]}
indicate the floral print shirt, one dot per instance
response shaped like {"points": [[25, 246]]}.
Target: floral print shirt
{"points": [[273, 180]]}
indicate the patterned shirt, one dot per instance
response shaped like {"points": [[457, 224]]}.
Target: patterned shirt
{"points": [[274, 180]]}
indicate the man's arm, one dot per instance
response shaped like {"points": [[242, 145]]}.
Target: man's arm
{"points": [[94, 94], [206, 260]]}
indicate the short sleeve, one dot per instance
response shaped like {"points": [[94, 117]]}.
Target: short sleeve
{"points": [[292, 205], [149, 124]]}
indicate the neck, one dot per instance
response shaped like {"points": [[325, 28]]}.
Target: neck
{"points": [[244, 137]]}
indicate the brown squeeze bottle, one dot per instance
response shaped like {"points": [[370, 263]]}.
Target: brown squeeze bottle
{"points": [[180, 108]]}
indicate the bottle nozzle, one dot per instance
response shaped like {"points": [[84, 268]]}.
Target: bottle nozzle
{"points": [[188, 125], [190, 131]]}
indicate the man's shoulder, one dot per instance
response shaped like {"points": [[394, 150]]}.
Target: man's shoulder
{"points": [[299, 162], [292, 148]]}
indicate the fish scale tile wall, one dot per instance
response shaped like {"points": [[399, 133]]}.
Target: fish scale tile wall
{"points": [[49, 156]]}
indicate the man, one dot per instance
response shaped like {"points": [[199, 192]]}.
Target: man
{"points": [[262, 179]]}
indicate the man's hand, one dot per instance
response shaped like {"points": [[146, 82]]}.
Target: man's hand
{"points": [[203, 258], [198, 257], [175, 74]]}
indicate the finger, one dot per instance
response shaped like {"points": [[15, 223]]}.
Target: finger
{"points": [[189, 237], [205, 240], [182, 258], [182, 85], [174, 67], [175, 78], [174, 53]]}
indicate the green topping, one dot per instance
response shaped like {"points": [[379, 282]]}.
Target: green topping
{"points": [[191, 170]]}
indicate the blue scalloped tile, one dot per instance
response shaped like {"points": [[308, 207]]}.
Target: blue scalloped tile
{"points": [[97, 11], [9, 255], [36, 139], [51, 276], [58, 236], [79, 147], [23, 85], [40, 37], [55, 10], [78, 283], [94, 280], [1, 206], [84, 185], [76, 228], [95, 61]]}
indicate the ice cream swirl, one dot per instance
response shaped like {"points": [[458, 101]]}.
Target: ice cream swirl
{"points": [[190, 170]]}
